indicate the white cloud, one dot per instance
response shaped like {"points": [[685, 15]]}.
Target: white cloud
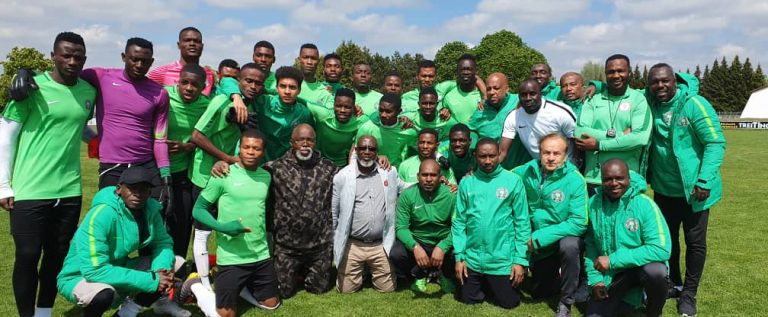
{"points": [[230, 24], [253, 4], [730, 50]]}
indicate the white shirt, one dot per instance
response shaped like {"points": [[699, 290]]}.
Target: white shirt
{"points": [[553, 116]]}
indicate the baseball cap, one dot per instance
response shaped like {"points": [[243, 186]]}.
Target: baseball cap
{"points": [[138, 174]]}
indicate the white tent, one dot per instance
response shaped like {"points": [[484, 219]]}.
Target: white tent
{"points": [[757, 105]]}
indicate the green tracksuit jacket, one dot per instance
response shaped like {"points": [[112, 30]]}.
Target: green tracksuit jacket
{"points": [[490, 226], [604, 112], [694, 141], [558, 204], [631, 232], [100, 249]]}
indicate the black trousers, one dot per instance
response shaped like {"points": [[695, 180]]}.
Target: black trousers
{"points": [[652, 277], [567, 260], [179, 221], [405, 262], [677, 212], [41, 228], [496, 288]]}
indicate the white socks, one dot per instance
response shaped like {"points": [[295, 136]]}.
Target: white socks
{"points": [[43, 311], [200, 253]]}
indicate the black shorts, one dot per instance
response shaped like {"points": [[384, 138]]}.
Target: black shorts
{"points": [[259, 278]]}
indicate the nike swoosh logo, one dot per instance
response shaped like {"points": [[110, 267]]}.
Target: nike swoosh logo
{"points": [[522, 127], [417, 207], [115, 84], [237, 184], [52, 102]]}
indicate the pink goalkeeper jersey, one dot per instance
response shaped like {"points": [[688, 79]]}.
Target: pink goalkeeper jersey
{"points": [[131, 117], [168, 75]]}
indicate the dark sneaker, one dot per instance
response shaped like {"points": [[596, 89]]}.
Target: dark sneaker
{"points": [[686, 306], [563, 310], [674, 291], [184, 294]]}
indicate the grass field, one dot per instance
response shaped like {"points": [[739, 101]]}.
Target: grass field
{"points": [[735, 281]]}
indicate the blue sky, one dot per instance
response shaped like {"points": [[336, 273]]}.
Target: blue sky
{"points": [[569, 32]]}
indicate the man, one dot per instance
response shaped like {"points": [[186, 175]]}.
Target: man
{"points": [[365, 97], [687, 149], [427, 149], [363, 208], [423, 229], [131, 116], [215, 136], [394, 139], [44, 214], [263, 57], [458, 151], [627, 245], [278, 115], [463, 100], [337, 128], [490, 229], [572, 91], [242, 254], [615, 123], [427, 116], [312, 90], [228, 68], [489, 121], [542, 73], [302, 188], [99, 270], [332, 69], [557, 196], [536, 117], [190, 46], [187, 105], [393, 83]]}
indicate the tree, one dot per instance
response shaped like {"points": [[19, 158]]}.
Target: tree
{"points": [[352, 54], [505, 52], [446, 58], [593, 71], [759, 78], [24, 57], [636, 79], [697, 73]]}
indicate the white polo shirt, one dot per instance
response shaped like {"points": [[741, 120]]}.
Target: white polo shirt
{"points": [[553, 116]]}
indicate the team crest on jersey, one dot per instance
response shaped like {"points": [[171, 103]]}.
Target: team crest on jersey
{"points": [[502, 193], [631, 224], [684, 121], [557, 196], [624, 106], [88, 105], [668, 118]]}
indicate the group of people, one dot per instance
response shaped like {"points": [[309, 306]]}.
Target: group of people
{"points": [[305, 181]]}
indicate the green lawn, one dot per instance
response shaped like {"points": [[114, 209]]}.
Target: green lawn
{"points": [[734, 284]]}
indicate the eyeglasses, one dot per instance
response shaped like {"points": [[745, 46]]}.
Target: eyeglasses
{"points": [[366, 148]]}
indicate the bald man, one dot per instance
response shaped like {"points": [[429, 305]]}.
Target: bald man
{"points": [[488, 121], [423, 229], [300, 198], [572, 90], [535, 117]]}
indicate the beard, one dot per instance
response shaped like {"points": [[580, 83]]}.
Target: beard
{"points": [[366, 163], [302, 157]]}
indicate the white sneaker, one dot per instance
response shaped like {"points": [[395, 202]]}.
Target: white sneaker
{"points": [[164, 307], [129, 308], [206, 300]]}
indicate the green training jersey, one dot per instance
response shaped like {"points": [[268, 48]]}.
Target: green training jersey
{"points": [[425, 219], [223, 135], [443, 127], [182, 118], [47, 160], [460, 165], [277, 120], [489, 122], [661, 152], [369, 101], [333, 86], [241, 196], [315, 93], [462, 104], [410, 100], [335, 139], [408, 170], [393, 141]]}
